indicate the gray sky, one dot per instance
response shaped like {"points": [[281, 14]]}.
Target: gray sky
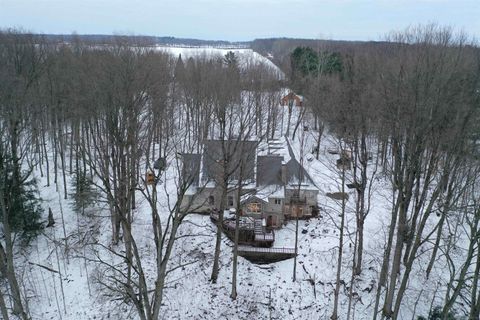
{"points": [[238, 19]]}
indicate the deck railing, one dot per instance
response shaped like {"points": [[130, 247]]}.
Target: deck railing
{"points": [[243, 225], [265, 237], [261, 235], [266, 250], [296, 199]]}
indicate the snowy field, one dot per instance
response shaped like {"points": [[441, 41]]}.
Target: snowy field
{"points": [[246, 56]]}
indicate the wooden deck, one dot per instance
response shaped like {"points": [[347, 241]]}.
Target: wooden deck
{"points": [[266, 250], [250, 231], [264, 237], [265, 255], [255, 241], [261, 235]]}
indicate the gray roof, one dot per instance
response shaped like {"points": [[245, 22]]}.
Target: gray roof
{"points": [[296, 173], [268, 167], [269, 170], [191, 168], [234, 151]]}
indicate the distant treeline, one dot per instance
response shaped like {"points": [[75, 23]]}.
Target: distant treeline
{"points": [[139, 39], [280, 49]]}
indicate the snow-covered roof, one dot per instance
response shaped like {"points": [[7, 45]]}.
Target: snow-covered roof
{"points": [[303, 186], [249, 197], [290, 94], [192, 190], [271, 191]]}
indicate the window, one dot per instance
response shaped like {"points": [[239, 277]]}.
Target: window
{"points": [[271, 221], [297, 211], [278, 201], [254, 207], [211, 200], [230, 201]]}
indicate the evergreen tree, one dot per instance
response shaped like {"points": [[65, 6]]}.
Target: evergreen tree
{"points": [[231, 60], [22, 201], [331, 63], [306, 64], [304, 61], [84, 194], [179, 72], [437, 314]]}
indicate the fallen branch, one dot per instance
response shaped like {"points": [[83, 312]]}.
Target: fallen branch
{"points": [[44, 267]]}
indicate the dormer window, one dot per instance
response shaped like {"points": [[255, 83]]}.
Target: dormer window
{"points": [[254, 207]]}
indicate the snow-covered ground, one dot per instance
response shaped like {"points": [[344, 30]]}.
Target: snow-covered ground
{"points": [[264, 291], [245, 56]]}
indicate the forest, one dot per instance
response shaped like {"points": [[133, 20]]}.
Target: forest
{"points": [[85, 233]]}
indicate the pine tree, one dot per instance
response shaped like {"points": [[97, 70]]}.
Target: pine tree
{"points": [[22, 200], [84, 194]]}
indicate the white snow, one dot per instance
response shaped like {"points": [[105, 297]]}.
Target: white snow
{"points": [[246, 56], [263, 290]]}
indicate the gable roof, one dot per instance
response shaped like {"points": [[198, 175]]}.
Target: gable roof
{"points": [[264, 172], [236, 151], [269, 170], [271, 191], [296, 174], [292, 96], [248, 198], [191, 168]]}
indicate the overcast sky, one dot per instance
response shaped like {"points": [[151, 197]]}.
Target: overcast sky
{"points": [[238, 19]]}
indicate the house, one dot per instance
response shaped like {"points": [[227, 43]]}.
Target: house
{"points": [[301, 192], [292, 99], [272, 190], [204, 172]]}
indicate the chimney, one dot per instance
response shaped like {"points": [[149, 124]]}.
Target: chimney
{"points": [[284, 173]]}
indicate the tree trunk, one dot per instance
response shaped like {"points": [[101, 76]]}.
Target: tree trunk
{"points": [[218, 241], [3, 306], [340, 253], [397, 260], [294, 277], [359, 247], [475, 294], [386, 256], [18, 308], [47, 164], [233, 294]]}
